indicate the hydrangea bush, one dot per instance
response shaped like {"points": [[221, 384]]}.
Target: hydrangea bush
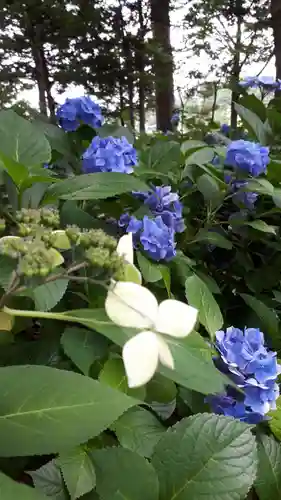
{"points": [[140, 308]]}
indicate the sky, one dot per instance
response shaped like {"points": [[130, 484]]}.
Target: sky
{"points": [[183, 64]]}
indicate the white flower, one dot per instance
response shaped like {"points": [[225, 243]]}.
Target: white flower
{"points": [[134, 306], [126, 250]]}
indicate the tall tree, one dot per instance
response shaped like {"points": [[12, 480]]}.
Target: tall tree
{"points": [[163, 63], [276, 26]]}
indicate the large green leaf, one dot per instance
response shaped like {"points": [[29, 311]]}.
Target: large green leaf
{"points": [[95, 186], [78, 472], [268, 481], [200, 157], [275, 420], [199, 296], [193, 362], [209, 188], [164, 156], [139, 431], [83, 347], [44, 410], [7, 267], [206, 456], [48, 479], [123, 474], [22, 141], [253, 122], [213, 238], [10, 490]]}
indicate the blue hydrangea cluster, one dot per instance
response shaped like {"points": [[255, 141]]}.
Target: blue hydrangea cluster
{"points": [[175, 118], [109, 154], [240, 197], [162, 201], [156, 234], [266, 83], [253, 368], [225, 129], [79, 109], [247, 157], [157, 239]]}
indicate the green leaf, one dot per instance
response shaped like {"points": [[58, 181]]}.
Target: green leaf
{"points": [[262, 226], [253, 122], [47, 296], [95, 186], [277, 197], [113, 374], [206, 456], [149, 270], [78, 472], [251, 102], [72, 214], [123, 474], [22, 141], [275, 420], [191, 146], [209, 188], [268, 481], [268, 317], [16, 170], [139, 431], [160, 390], [116, 130], [261, 186], [213, 238], [48, 480], [10, 490], [194, 367], [199, 296], [200, 157], [83, 347], [164, 156], [57, 409]]}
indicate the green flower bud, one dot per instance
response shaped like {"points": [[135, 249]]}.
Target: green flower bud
{"points": [[73, 233], [97, 257]]}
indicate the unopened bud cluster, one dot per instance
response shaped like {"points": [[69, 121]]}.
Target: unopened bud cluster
{"points": [[39, 243]]}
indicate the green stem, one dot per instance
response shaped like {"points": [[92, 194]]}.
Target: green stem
{"points": [[40, 314]]}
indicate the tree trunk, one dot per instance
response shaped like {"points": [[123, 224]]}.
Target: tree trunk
{"points": [[141, 68], [236, 65], [215, 98], [163, 63], [276, 26]]}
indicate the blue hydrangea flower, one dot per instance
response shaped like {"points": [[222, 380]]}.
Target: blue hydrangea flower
{"points": [[175, 118], [249, 81], [162, 201], [225, 129], [157, 239], [253, 367], [109, 154], [79, 109], [246, 198], [246, 156]]}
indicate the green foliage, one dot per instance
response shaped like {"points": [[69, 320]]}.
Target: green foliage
{"points": [[268, 480], [225, 447]]}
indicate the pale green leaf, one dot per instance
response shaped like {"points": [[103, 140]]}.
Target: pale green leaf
{"points": [[199, 296], [22, 141], [268, 480], [78, 472], [139, 431], [123, 474], [45, 410], [206, 456], [83, 347], [262, 226], [253, 122], [113, 374], [10, 490], [149, 270]]}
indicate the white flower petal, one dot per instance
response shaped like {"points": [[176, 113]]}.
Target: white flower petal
{"points": [[131, 305], [125, 248], [176, 318], [165, 355], [140, 356]]}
